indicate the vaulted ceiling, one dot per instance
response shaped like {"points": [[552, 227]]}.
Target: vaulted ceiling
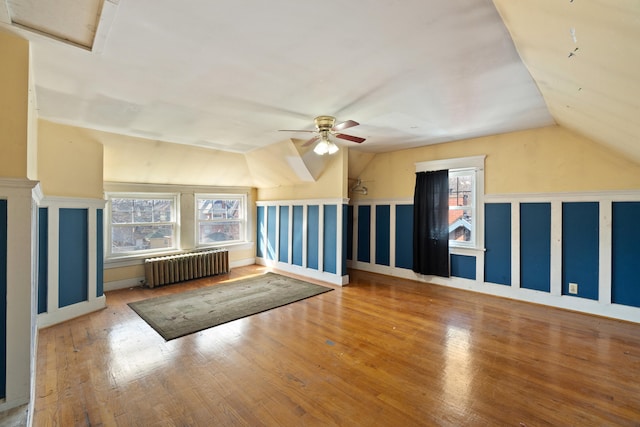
{"points": [[228, 75]]}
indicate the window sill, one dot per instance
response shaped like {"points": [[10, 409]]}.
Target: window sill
{"points": [[464, 250]]}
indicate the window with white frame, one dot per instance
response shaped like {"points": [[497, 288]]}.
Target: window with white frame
{"points": [[466, 189], [462, 207], [141, 223], [220, 218]]}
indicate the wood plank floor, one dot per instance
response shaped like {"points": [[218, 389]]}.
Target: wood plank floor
{"points": [[379, 352]]}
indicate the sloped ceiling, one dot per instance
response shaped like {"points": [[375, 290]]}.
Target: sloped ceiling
{"points": [[228, 75], [585, 57]]}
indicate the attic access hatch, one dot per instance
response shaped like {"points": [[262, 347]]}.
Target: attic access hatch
{"points": [[83, 24]]}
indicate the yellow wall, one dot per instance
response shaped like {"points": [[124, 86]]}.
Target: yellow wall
{"points": [[69, 161], [14, 105], [546, 160], [131, 159], [32, 131], [123, 273], [332, 183]]}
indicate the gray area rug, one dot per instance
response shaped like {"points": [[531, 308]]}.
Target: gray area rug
{"points": [[176, 315]]}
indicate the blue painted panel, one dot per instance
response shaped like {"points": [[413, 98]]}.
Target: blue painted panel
{"points": [[3, 299], [345, 234], [271, 233], [330, 242], [100, 253], [349, 235], [625, 253], [283, 256], [43, 258], [463, 266], [364, 233], [383, 234], [261, 238], [73, 252], [497, 229], [313, 224], [535, 246], [580, 248], [404, 236], [298, 230]]}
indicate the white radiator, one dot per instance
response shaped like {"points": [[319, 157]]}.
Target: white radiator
{"points": [[178, 268]]}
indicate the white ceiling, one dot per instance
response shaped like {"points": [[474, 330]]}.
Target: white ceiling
{"points": [[229, 74]]}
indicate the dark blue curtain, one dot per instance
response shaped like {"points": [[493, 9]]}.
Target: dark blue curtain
{"points": [[431, 223]]}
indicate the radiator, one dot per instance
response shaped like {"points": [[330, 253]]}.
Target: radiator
{"points": [[178, 268]]}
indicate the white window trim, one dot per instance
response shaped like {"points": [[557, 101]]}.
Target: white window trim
{"points": [[473, 207], [464, 163], [109, 255], [243, 221]]}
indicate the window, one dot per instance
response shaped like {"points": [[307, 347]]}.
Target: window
{"points": [[461, 206], [141, 223], [466, 189], [220, 218]]}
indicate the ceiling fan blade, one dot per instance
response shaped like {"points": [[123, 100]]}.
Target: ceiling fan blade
{"points": [[311, 141], [350, 137], [294, 130], [345, 125]]}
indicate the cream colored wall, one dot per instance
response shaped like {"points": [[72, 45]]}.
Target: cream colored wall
{"points": [[72, 164], [14, 106], [130, 159], [545, 160], [277, 165], [123, 273], [69, 161], [358, 161], [32, 131], [332, 183]]}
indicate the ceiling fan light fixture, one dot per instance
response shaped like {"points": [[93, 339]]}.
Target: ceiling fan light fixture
{"points": [[325, 146], [333, 148], [326, 126], [322, 147]]}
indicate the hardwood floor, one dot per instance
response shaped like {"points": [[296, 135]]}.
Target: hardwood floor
{"points": [[379, 352]]}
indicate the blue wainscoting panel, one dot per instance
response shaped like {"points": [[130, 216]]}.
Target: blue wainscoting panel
{"points": [[535, 246], [43, 258], [283, 256], [383, 234], [625, 254], [364, 233], [99, 253], [497, 231], [3, 299], [345, 237], [580, 248], [463, 266], [73, 257], [404, 236], [298, 230], [313, 224], [271, 233], [261, 247], [330, 239], [349, 222]]}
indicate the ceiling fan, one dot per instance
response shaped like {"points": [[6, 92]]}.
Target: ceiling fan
{"points": [[326, 126]]}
